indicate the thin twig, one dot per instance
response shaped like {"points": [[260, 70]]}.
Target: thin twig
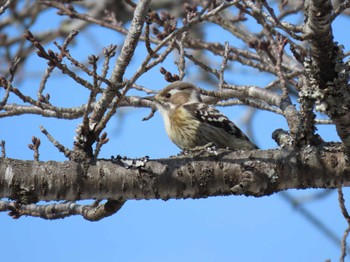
{"points": [[345, 213], [277, 82], [265, 19], [102, 140], [281, 43], [147, 38], [92, 97], [342, 7], [252, 103], [202, 65], [324, 121], [59, 146], [108, 53], [223, 65], [69, 39], [35, 147], [43, 82], [144, 89], [150, 115], [3, 150], [76, 63], [5, 6], [8, 83], [181, 62], [56, 60], [145, 66]]}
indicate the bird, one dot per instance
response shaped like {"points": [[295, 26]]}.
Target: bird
{"points": [[190, 123]]}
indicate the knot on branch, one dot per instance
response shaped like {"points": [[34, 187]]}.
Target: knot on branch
{"points": [[251, 182], [282, 138], [100, 211]]}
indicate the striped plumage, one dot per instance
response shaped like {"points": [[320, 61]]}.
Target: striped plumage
{"points": [[190, 123]]}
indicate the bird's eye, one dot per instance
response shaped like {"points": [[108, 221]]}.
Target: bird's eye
{"points": [[167, 95]]}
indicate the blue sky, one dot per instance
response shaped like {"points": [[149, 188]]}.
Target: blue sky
{"points": [[214, 229]]}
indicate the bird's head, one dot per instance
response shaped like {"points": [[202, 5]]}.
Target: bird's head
{"points": [[177, 94]]}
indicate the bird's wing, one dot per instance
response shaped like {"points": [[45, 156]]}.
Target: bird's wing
{"points": [[210, 115]]}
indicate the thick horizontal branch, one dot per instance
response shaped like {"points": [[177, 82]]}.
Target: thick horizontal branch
{"points": [[255, 173]]}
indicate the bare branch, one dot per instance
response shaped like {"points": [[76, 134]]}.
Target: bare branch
{"points": [[181, 62], [3, 150], [102, 140], [6, 5], [265, 173], [281, 43], [35, 147], [93, 212], [119, 69], [223, 65], [59, 146], [8, 84], [346, 215], [43, 82]]}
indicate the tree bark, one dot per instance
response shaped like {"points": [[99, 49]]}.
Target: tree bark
{"points": [[253, 173]]}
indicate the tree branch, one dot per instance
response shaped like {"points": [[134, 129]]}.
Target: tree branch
{"points": [[121, 63], [318, 28], [252, 173], [327, 72]]}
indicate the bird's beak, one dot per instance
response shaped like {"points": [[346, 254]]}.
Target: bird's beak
{"points": [[150, 98], [154, 99]]}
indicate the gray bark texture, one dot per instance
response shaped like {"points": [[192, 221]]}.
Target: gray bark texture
{"points": [[256, 173]]}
